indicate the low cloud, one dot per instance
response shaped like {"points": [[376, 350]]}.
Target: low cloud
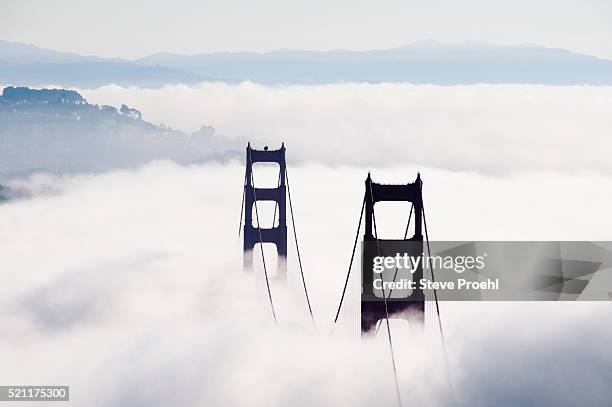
{"points": [[492, 129], [128, 287]]}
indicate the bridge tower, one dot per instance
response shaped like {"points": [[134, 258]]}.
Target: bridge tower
{"points": [[274, 234], [373, 306]]}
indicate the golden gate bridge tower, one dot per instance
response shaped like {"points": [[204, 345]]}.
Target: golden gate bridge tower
{"points": [[254, 233], [375, 308]]}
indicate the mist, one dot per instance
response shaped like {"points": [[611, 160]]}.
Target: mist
{"points": [[128, 287], [490, 129]]}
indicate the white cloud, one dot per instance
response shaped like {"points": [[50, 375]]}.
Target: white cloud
{"points": [[127, 286], [484, 128]]}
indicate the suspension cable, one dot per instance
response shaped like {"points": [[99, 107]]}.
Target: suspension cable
{"points": [[397, 268], [297, 246], [261, 243], [348, 274], [397, 390], [405, 236], [450, 382], [242, 205], [276, 202]]}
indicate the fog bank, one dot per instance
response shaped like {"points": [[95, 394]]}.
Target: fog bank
{"points": [[491, 129]]}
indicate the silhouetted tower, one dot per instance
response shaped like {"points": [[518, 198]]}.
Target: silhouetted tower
{"points": [[274, 234], [373, 307]]}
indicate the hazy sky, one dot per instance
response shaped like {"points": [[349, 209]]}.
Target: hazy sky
{"points": [[116, 28]]}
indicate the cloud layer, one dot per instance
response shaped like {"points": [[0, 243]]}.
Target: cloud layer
{"points": [[491, 129], [127, 286]]}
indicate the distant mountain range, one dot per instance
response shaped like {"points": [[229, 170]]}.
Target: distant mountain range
{"points": [[27, 65], [428, 61]]}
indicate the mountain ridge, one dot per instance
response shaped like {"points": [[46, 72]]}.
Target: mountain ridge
{"points": [[423, 44], [58, 131], [422, 62]]}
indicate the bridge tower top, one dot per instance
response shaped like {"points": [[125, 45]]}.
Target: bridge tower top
{"points": [[265, 156], [410, 192]]}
